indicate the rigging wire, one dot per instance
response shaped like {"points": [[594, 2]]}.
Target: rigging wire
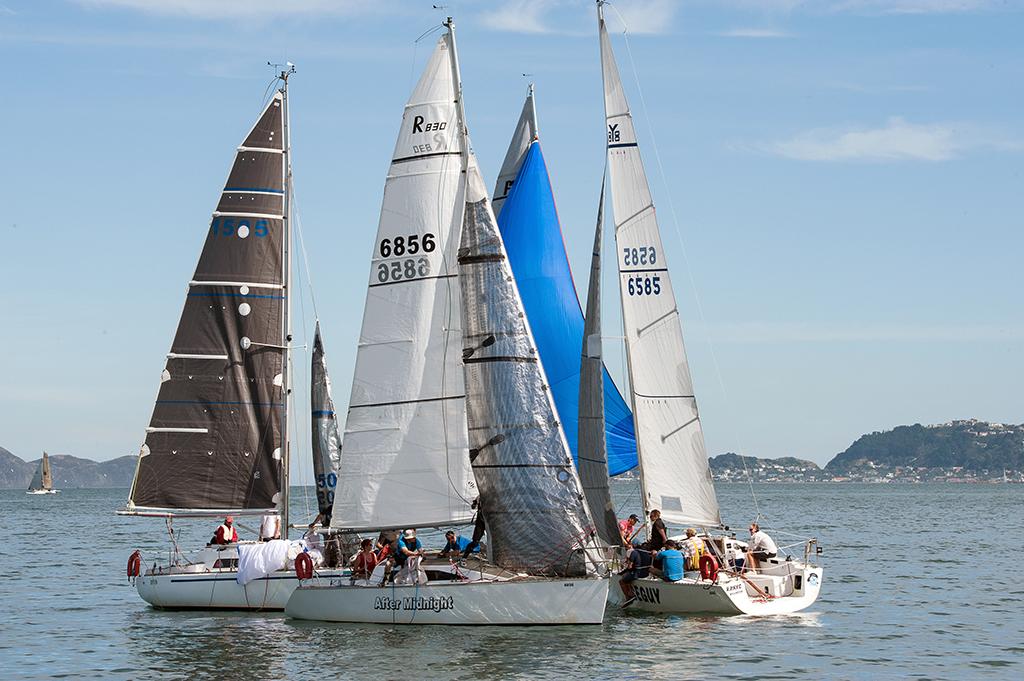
{"points": [[686, 258]]}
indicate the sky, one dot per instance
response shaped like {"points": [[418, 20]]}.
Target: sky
{"points": [[839, 185]]}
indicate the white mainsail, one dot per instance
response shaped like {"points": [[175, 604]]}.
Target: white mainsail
{"points": [[674, 467], [406, 456], [524, 135]]}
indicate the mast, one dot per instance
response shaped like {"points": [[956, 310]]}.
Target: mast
{"points": [[533, 113], [287, 319], [460, 109], [625, 336]]}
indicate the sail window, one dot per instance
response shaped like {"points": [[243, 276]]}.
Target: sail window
{"points": [[243, 231], [671, 503]]}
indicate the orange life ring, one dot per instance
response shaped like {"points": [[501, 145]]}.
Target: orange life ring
{"points": [[303, 566], [134, 565], [708, 567]]}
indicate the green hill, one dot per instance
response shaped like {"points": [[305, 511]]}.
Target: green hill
{"points": [[972, 445]]}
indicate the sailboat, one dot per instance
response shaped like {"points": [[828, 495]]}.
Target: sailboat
{"points": [[450, 403], [675, 477], [218, 443], [42, 481]]}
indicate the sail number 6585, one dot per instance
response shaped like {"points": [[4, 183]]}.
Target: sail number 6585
{"points": [[644, 255], [407, 245]]}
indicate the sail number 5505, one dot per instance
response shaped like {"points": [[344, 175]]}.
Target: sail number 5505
{"points": [[407, 245]]}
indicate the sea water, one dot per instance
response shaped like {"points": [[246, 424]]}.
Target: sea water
{"points": [[921, 582]]}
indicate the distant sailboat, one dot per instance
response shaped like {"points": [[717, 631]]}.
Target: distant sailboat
{"points": [[675, 477], [42, 481], [218, 440], [450, 402]]}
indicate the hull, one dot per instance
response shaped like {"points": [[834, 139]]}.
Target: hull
{"points": [[219, 590], [42, 491], [729, 596], [528, 601]]}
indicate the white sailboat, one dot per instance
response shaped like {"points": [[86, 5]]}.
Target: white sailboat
{"points": [[675, 477], [42, 481], [450, 403], [218, 440]]}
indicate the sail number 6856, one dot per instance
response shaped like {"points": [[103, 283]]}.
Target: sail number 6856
{"points": [[407, 245]]}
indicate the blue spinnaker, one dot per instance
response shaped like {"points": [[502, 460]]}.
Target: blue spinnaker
{"points": [[533, 238]]}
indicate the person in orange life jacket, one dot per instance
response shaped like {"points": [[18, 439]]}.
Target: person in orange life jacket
{"points": [[226, 533]]}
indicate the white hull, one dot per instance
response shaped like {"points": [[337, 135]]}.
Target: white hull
{"points": [[729, 596], [218, 590], [516, 602], [42, 491]]}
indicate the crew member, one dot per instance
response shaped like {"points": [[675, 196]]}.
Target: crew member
{"points": [[226, 533], [270, 527], [761, 547], [627, 529]]}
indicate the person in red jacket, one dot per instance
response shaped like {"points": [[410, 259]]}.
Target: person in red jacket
{"points": [[226, 533]]}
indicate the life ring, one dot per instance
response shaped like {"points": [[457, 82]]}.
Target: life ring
{"points": [[134, 565], [708, 567], [303, 566]]}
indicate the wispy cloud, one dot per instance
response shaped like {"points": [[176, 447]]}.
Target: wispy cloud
{"points": [[521, 16], [240, 10], [897, 140], [818, 332], [756, 33], [875, 7], [575, 17]]}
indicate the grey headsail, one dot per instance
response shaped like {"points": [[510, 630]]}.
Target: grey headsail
{"points": [[326, 440], [528, 484], [42, 480], [215, 440], [593, 453]]}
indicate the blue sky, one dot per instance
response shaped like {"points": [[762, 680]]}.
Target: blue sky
{"points": [[846, 176]]}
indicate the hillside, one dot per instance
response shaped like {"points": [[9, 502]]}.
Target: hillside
{"points": [[971, 445], [69, 472], [730, 467]]}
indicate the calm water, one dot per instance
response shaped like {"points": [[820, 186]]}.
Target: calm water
{"points": [[914, 588]]}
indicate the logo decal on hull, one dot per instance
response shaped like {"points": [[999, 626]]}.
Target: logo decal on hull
{"points": [[647, 594], [812, 579]]}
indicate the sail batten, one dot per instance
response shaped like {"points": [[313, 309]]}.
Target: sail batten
{"points": [[532, 234], [216, 435], [529, 486], [406, 457], [675, 474]]}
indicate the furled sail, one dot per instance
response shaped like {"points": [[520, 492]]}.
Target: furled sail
{"points": [[593, 456], [215, 440], [531, 232], [673, 462], [406, 459], [326, 440], [529, 488]]}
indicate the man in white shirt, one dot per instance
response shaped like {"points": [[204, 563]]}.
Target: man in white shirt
{"points": [[270, 527], [761, 546]]}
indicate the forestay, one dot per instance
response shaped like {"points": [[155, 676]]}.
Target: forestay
{"points": [[533, 238], [406, 458], [214, 442], [326, 440], [530, 495], [673, 461]]}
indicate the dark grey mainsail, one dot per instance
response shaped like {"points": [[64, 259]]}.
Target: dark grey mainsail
{"points": [[593, 453], [216, 440], [326, 440], [530, 496]]}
